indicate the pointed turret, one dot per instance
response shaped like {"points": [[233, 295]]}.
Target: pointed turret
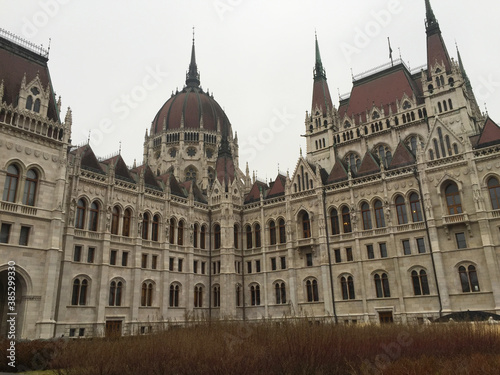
{"points": [[436, 48], [321, 93], [193, 76], [476, 111]]}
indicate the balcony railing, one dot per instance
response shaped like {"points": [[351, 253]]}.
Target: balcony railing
{"points": [[454, 219]]}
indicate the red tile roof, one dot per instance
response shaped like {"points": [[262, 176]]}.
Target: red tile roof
{"points": [[278, 187], [18, 61], [225, 170], [321, 96], [381, 89], [402, 157], [368, 165], [490, 134], [436, 51], [254, 194], [338, 173]]}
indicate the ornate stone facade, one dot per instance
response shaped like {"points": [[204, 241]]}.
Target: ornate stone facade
{"points": [[392, 215]]}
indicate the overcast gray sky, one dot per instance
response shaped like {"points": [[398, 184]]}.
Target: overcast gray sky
{"points": [[116, 62]]}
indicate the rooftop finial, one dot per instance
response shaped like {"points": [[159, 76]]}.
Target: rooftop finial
{"points": [[193, 76]]}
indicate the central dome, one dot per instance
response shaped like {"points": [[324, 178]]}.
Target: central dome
{"points": [[191, 108]]}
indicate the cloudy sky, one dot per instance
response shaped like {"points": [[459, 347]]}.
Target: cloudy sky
{"points": [[116, 62]]}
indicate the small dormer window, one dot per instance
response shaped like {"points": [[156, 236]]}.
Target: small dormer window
{"points": [[375, 115], [347, 124], [35, 91], [406, 105], [438, 71]]}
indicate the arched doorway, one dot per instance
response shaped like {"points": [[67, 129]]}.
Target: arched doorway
{"points": [[19, 308]]}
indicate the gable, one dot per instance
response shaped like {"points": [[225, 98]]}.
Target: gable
{"points": [[338, 173], [490, 135], [368, 165], [402, 157]]}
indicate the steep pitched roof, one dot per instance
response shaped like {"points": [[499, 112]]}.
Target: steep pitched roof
{"points": [[402, 157], [338, 173], [18, 61], [88, 159], [121, 169], [368, 165], [382, 90], [278, 187], [490, 135], [254, 194]]}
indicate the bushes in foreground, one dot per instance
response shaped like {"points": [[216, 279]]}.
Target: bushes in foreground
{"points": [[288, 348]]}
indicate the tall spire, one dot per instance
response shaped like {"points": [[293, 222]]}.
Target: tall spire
{"points": [[319, 71], [462, 70], [193, 76], [321, 92], [431, 21], [436, 48]]}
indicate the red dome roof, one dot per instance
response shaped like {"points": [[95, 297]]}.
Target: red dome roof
{"points": [[194, 106]]}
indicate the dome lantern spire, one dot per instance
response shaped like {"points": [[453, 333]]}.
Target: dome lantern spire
{"points": [[193, 76]]}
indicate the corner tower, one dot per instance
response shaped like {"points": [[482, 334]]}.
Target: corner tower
{"points": [[321, 121]]}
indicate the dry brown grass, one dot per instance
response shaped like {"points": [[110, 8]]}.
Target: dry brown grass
{"points": [[287, 348]]}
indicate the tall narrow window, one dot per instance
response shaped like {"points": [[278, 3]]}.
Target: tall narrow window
{"points": [[11, 181], [155, 228], [248, 231], [453, 199], [145, 226], [366, 214], [312, 290], [80, 214], [202, 237], [30, 188], [382, 285], [238, 296], [379, 214], [94, 216], [115, 293], [115, 219], [334, 217], [494, 189], [29, 102], [416, 208], [282, 231], [346, 220], [217, 237], [36, 106], [127, 216], [180, 233], [216, 296], [306, 225], [236, 236], [272, 232], [24, 236], [401, 210], [171, 233], [195, 235], [257, 236]]}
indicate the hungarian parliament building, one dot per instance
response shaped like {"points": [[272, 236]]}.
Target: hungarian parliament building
{"points": [[391, 215]]}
